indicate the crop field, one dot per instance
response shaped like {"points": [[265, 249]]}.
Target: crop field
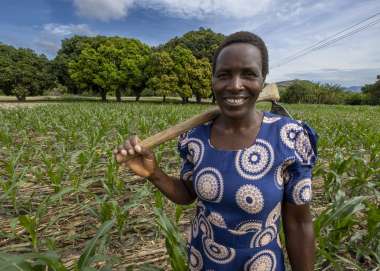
{"points": [[65, 205]]}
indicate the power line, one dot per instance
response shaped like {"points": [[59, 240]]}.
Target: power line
{"points": [[331, 40]]}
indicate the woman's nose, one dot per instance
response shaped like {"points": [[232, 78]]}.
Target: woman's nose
{"points": [[236, 83]]}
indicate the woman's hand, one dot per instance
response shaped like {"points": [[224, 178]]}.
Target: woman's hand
{"points": [[144, 164]]}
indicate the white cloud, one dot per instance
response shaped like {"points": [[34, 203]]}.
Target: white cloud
{"points": [[66, 30], [116, 9], [103, 10]]}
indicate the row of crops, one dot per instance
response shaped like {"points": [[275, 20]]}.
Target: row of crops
{"points": [[66, 205]]}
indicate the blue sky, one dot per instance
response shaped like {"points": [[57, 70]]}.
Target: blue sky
{"points": [[286, 26]]}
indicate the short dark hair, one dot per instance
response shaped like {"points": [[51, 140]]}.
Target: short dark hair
{"points": [[244, 37]]}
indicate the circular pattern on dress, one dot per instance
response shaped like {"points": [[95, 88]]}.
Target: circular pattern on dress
{"points": [[250, 199], [249, 226], [254, 162], [274, 215], [196, 150], [263, 261], [201, 208], [270, 120], [188, 176], [196, 261], [217, 219], [209, 184], [288, 134], [216, 252], [282, 176], [303, 149], [182, 139], [205, 226], [264, 237], [302, 192], [195, 227]]}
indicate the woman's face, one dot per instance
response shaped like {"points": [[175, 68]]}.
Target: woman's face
{"points": [[237, 80]]}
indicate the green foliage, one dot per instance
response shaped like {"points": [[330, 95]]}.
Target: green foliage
{"points": [[78, 138], [202, 43], [372, 92], [312, 93], [23, 72], [113, 64]]}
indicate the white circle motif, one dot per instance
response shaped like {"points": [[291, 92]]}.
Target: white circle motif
{"points": [[205, 226], [282, 176], [302, 192], [249, 226], [263, 261], [254, 162], [196, 261], [188, 176], [270, 120], [196, 150], [302, 147], [217, 219], [286, 133], [274, 215], [250, 199], [195, 227], [264, 237], [209, 184], [217, 252]]}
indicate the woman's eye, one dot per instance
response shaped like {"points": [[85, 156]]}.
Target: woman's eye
{"points": [[222, 75], [250, 74]]}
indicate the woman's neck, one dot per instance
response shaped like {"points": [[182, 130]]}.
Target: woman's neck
{"points": [[233, 125]]}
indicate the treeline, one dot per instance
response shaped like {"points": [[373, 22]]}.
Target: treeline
{"points": [[113, 66], [101, 66], [302, 91]]}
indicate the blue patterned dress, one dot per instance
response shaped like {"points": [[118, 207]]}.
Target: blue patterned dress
{"points": [[236, 226]]}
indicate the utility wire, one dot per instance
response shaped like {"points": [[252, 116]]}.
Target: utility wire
{"points": [[331, 39]]}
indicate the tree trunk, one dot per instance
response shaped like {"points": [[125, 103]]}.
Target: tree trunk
{"points": [[199, 99], [137, 97], [164, 98], [213, 98], [21, 98], [183, 100], [104, 95], [118, 95]]}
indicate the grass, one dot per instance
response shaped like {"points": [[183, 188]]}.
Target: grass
{"points": [[60, 186]]}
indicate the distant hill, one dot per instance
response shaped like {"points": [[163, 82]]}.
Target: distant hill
{"points": [[354, 88], [284, 84]]}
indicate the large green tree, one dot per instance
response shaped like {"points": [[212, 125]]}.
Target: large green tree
{"points": [[201, 42], [114, 64], [24, 73], [160, 71], [372, 91]]}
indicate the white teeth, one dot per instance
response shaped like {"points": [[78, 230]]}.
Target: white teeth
{"points": [[235, 101]]}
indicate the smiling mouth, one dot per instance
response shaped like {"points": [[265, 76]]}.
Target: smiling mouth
{"points": [[235, 101]]}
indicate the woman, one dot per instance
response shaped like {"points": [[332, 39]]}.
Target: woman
{"points": [[246, 168]]}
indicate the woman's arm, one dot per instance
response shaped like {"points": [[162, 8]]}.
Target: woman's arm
{"points": [[178, 191], [299, 236], [145, 165]]}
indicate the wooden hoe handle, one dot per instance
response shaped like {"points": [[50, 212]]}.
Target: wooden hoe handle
{"points": [[269, 93]]}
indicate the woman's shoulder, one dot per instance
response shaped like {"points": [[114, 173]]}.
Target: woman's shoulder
{"points": [[197, 132]]}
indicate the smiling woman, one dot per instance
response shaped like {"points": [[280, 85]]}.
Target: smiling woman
{"points": [[246, 169]]}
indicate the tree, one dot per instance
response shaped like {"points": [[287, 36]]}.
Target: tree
{"points": [[372, 91], [202, 42], [113, 64], [23, 72], [200, 77], [161, 73]]}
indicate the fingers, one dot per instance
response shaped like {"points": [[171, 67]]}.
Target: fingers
{"points": [[130, 147]]}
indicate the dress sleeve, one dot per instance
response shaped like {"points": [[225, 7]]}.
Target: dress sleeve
{"points": [[298, 189], [187, 166]]}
